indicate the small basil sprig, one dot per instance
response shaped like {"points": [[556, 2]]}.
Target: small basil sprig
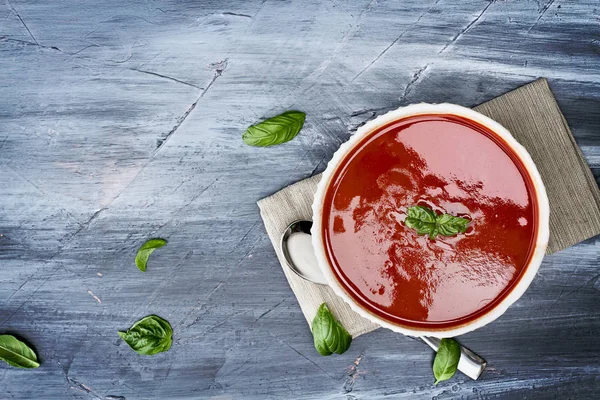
{"points": [[141, 259], [148, 336], [328, 334], [16, 353], [276, 130], [446, 360], [425, 221]]}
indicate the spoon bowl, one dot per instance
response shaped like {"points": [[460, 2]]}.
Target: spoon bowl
{"points": [[298, 252]]}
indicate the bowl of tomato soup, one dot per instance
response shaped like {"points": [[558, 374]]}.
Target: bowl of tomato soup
{"points": [[431, 220]]}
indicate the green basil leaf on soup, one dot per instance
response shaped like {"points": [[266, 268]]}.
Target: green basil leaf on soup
{"points": [[449, 225], [425, 221], [421, 219]]}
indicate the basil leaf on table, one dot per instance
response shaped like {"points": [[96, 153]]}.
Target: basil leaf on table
{"points": [[141, 259], [16, 353], [148, 336], [426, 222], [328, 334], [446, 360], [276, 130]]}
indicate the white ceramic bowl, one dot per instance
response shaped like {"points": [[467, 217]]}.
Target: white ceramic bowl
{"points": [[542, 217]]}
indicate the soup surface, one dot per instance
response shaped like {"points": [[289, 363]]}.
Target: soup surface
{"points": [[451, 165]]}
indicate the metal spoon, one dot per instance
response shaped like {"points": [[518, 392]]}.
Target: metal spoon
{"points": [[298, 252]]}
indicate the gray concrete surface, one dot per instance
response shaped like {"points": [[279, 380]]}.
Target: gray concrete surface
{"points": [[122, 120]]}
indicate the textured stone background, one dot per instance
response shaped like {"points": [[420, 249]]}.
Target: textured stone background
{"points": [[121, 120]]}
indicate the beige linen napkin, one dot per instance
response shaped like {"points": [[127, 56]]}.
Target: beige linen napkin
{"points": [[532, 115]]}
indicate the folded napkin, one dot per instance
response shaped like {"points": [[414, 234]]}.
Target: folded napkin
{"points": [[532, 115]]}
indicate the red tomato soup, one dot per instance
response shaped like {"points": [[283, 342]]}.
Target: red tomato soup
{"points": [[452, 165]]}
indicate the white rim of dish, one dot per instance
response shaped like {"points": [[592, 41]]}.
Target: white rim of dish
{"points": [[540, 194]]}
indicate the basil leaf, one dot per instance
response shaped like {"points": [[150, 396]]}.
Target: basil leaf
{"points": [[421, 219], [446, 360], [17, 353], [328, 334], [148, 336], [141, 259], [449, 225], [276, 130], [426, 222]]}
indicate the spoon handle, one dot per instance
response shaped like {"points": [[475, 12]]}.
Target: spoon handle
{"points": [[469, 364]]}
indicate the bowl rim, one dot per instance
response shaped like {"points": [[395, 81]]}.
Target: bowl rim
{"points": [[543, 210]]}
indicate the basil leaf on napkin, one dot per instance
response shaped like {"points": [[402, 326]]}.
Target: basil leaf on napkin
{"points": [[446, 360], [141, 259], [16, 353], [426, 222], [328, 334], [148, 336], [276, 130]]}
